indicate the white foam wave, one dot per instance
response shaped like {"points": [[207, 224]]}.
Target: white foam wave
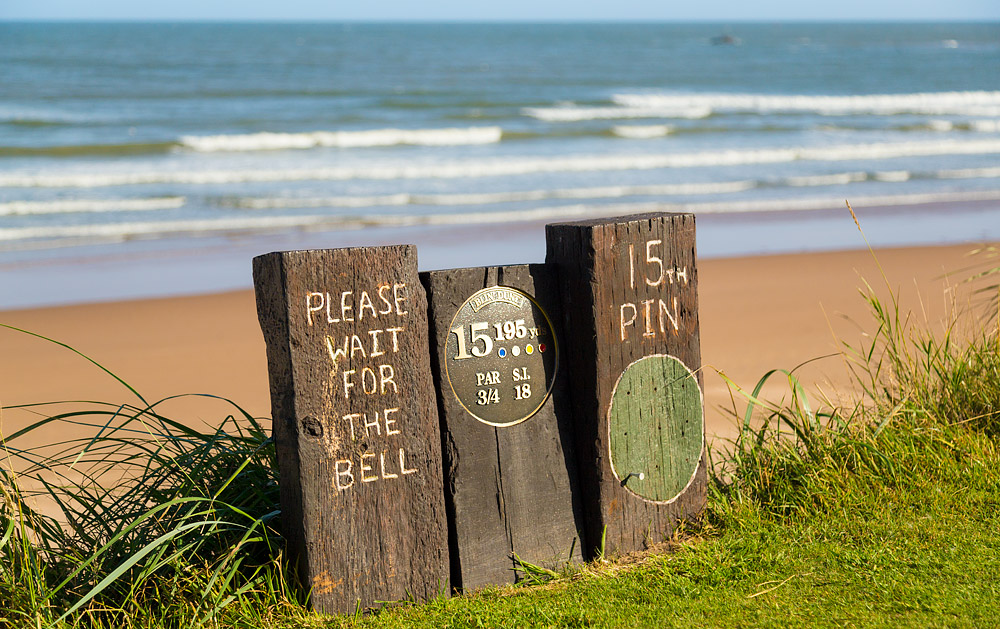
{"points": [[969, 173], [572, 113], [928, 103], [985, 126], [940, 125], [156, 229], [487, 198], [20, 208], [824, 180], [642, 132], [270, 203], [604, 192], [343, 139], [892, 175], [135, 230], [762, 205], [515, 166], [837, 203]]}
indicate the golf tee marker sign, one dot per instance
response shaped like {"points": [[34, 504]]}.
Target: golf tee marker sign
{"points": [[629, 286], [355, 423], [435, 430], [510, 470]]}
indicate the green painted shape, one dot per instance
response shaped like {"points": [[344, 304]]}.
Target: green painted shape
{"points": [[656, 427]]}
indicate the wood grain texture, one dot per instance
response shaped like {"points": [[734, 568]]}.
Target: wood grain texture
{"points": [[509, 489], [629, 290], [355, 423]]}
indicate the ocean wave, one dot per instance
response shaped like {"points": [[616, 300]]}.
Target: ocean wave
{"points": [[488, 198], [642, 132], [694, 105], [573, 113], [832, 179], [270, 142], [444, 137], [985, 126], [70, 150], [41, 116], [603, 192], [267, 141], [894, 176], [29, 121], [981, 103], [969, 173], [940, 125], [120, 231], [830, 203], [499, 167], [30, 208], [25, 208]]}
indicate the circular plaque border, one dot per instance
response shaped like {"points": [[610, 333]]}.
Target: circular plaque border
{"points": [[611, 458], [555, 366]]}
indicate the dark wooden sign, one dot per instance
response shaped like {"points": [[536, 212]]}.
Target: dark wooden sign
{"points": [[435, 431], [355, 423], [630, 306], [510, 470]]}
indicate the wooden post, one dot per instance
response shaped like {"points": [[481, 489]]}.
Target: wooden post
{"points": [[510, 470], [355, 423], [630, 303]]}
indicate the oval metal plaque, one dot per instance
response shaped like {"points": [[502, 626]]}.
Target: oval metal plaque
{"points": [[657, 428], [501, 356]]}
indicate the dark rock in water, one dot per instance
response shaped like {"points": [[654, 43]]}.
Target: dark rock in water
{"points": [[726, 40]]}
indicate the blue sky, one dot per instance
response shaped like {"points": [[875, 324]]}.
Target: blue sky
{"points": [[519, 10]]}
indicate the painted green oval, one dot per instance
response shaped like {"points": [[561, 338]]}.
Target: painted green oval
{"points": [[657, 427]]}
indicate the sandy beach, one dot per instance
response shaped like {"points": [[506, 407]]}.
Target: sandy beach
{"points": [[757, 313]]}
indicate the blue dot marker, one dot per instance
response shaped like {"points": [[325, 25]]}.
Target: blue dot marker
{"points": [[502, 352]]}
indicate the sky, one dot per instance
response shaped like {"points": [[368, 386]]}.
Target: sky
{"points": [[507, 10]]}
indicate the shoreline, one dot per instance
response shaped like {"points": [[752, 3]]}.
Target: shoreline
{"points": [[186, 266], [756, 313]]}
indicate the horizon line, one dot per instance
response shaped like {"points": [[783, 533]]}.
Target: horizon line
{"points": [[512, 21]]}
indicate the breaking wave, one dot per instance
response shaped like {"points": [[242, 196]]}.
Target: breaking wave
{"points": [[487, 198], [642, 132], [267, 141], [982, 103], [928, 103], [160, 229], [512, 166], [573, 113], [26, 208]]}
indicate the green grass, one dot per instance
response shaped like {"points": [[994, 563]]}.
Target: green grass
{"points": [[884, 513]]}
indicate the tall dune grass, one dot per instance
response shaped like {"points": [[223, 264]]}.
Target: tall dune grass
{"points": [[144, 521], [909, 382]]}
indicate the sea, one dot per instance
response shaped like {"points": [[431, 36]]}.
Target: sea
{"points": [[153, 159]]}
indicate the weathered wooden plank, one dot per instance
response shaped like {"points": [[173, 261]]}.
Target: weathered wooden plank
{"points": [[355, 423], [630, 304], [511, 485]]}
